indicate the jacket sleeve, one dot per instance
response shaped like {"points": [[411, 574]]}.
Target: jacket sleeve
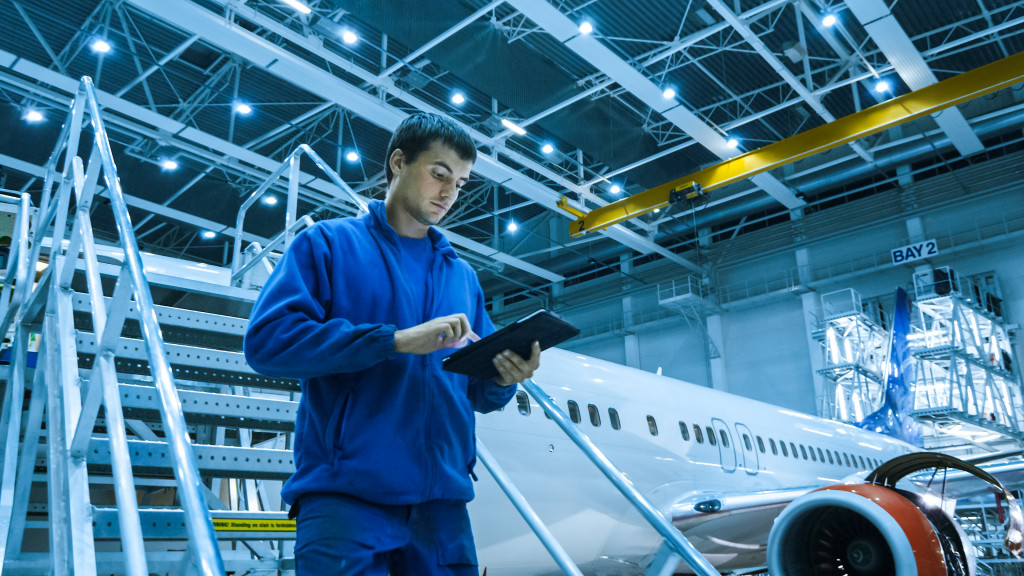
{"points": [[486, 395], [289, 332]]}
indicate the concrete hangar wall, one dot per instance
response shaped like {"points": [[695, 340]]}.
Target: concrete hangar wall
{"points": [[762, 333]]}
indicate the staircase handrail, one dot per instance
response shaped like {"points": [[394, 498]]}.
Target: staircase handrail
{"points": [[199, 526], [291, 163], [260, 254], [675, 543], [132, 283], [16, 285]]}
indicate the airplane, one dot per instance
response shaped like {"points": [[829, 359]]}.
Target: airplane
{"points": [[748, 483]]}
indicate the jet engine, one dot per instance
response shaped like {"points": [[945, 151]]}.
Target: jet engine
{"points": [[866, 530], [876, 529]]}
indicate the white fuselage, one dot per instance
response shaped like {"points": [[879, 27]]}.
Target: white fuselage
{"points": [[590, 519]]}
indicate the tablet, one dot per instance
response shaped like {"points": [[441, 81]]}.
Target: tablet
{"points": [[477, 358]]}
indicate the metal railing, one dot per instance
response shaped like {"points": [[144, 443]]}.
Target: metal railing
{"points": [[675, 547], [291, 224], [73, 400]]}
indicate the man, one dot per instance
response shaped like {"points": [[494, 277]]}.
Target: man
{"points": [[362, 310]]}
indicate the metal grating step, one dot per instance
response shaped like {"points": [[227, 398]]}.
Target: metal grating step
{"points": [[153, 458], [187, 362], [216, 409], [177, 325]]}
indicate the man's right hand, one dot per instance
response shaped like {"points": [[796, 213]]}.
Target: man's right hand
{"points": [[446, 332]]}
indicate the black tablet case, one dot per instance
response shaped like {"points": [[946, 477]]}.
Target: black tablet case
{"points": [[476, 359]]}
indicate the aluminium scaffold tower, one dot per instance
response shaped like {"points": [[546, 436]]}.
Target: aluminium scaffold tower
{"points": [[853, 347], [967, 380]]}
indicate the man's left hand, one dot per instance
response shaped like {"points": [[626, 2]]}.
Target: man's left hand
{"points": [[512, 368]]}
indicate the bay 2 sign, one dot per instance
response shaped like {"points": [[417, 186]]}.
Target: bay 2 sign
{"points": [[918, 251]]}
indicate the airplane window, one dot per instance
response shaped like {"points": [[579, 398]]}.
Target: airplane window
{"points": [[711, 436], [746, 442], [863, 464], [820, 455], [803, 450], [830, 460], [523, 402], [595, 415], [792, 448], [698, 434], [847, 457], [684, 431], [839, 458], [613, 417], [725, 438], [574, 411], [760, 444], [811, 450], [775, 451], [652, 425], [784, 451]]}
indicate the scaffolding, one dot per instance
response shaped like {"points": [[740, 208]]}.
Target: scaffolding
{"points": [[853, 346], [967, 379], [982, 519]]}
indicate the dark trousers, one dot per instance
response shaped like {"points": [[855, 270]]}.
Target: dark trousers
{"points": [[338, 535]]}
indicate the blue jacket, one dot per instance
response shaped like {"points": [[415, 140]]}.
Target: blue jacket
{"points": [[385, 427]]}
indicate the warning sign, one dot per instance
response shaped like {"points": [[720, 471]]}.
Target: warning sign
{"points": [[242, 525]]}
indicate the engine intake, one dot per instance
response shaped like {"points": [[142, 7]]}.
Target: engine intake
{"points": [[866, 530]]}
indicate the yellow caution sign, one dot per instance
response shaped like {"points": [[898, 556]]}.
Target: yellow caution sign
{"points": [[244, 525]]}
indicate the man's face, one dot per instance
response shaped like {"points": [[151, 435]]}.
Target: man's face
{"points": [[426, 189]]}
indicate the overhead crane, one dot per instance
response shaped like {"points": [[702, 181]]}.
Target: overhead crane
{"points": [[929, 100]]}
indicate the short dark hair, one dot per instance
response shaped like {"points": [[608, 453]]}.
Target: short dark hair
{"points": [[417, 132]]}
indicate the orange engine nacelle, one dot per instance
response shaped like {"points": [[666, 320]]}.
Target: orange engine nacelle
{"points": [[866, 530]]}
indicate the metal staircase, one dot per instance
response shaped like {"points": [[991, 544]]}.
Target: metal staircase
{"points": [[140, 441], [148, 444]]}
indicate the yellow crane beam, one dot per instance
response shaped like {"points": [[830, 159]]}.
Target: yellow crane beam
{"points": [[950, 92]]}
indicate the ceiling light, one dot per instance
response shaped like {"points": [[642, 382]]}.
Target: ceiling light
{"points": [[616, 189], [352, 156], [669, 93], [732, 143], [33, 116], [882, 86], [100, 46], [298, 6], [586, 27], [656, 210], [209, 234], [169, 164], [547, 149], [458, 98], [269, 200], [513, 127], [349, 37], [829, 20], [243, 108], [512, 226]]}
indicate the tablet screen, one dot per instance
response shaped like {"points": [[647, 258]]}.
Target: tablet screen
{"points": [[477, 358]]}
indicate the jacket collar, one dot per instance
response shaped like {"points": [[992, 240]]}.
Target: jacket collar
{"points": [[377, 218]]}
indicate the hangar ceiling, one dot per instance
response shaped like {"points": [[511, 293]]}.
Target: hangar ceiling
{"points": [[655, 90]]}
